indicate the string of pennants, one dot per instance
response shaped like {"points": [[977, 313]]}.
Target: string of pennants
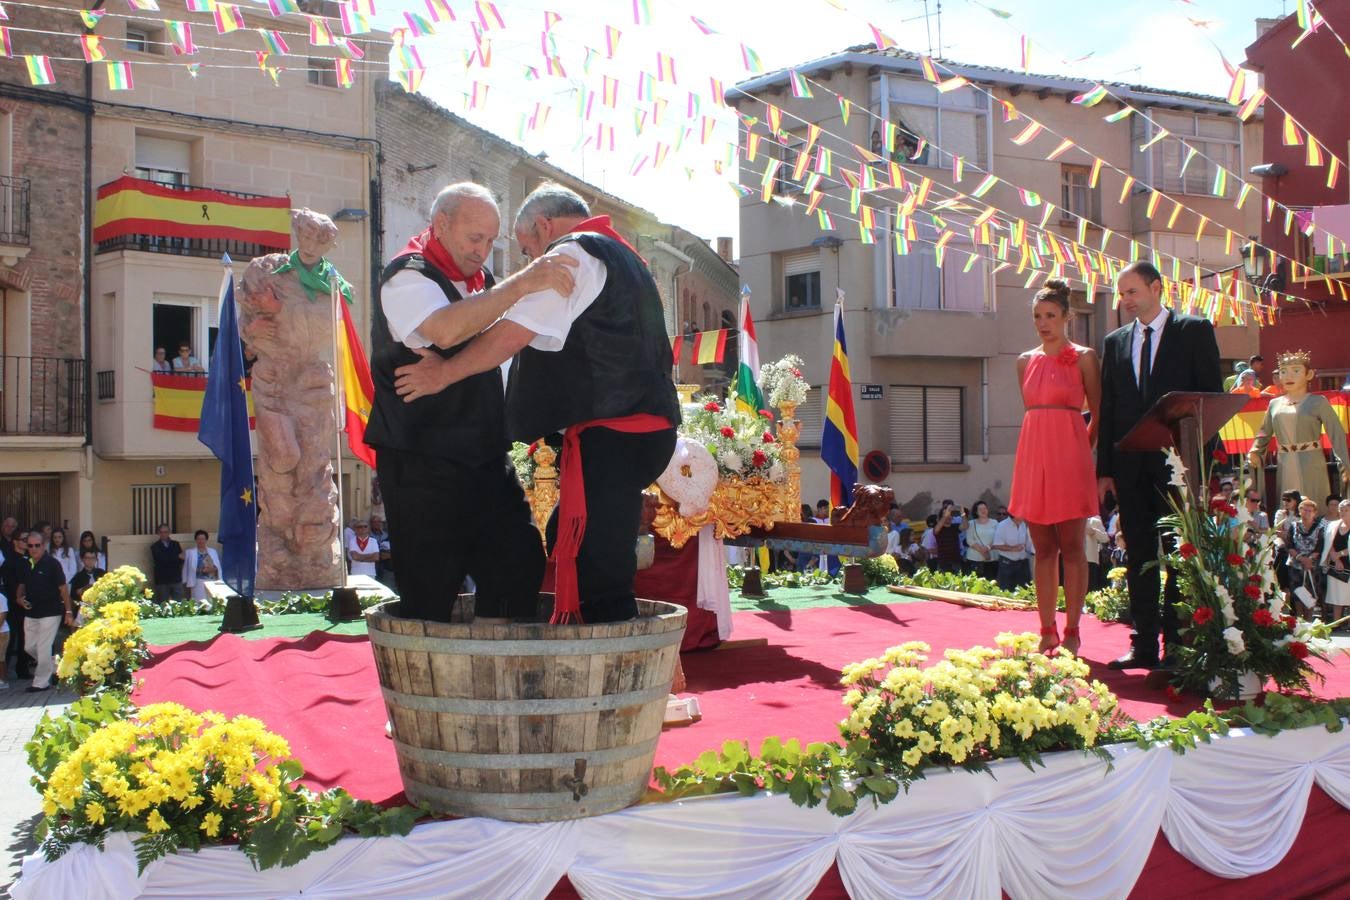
{"points": [[708, 347]]}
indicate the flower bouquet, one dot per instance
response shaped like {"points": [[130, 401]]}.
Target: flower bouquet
{"points": [[782, 382], [743, 445], [106, 650], [1232, 623]]}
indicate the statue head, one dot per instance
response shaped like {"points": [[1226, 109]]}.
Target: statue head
{"points": [[1295, 372], [315, 234]]}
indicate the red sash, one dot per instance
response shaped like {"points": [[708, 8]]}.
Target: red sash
{"points": [[572, 509]]}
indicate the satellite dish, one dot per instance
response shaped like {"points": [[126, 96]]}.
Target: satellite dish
{"points": [[876, 466]]}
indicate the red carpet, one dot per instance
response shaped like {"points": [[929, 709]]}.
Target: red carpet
{"points": [[322, 695]]}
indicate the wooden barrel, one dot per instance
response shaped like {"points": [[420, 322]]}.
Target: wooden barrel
{"points": [[527, 722]]}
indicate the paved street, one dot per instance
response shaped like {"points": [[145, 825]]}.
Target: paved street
{"points": [[20, 809]]}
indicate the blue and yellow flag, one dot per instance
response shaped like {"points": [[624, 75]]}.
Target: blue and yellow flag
{"points": [[839, 441], [224, 430]]}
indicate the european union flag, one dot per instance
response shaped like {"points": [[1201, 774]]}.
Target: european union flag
{"points": [[224, 429]]}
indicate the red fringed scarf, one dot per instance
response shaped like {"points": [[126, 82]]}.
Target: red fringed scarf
{"points": [[426, 246]]}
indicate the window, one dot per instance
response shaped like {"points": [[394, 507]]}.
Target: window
{"points": [[165, 160], [924, 119], [179, 320], [811, 417], [1080, 326], [141, 39], [926, 425], [1314, 252], [153, 505], [801, 280], [960, 284], [1076, 196], [1219, 139], [322, 72]]}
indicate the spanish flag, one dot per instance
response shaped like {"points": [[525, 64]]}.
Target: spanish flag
{"points": [[710, 347], [178, 401], [136, 206], [358, 390], [1240, 431], [839, 440]]}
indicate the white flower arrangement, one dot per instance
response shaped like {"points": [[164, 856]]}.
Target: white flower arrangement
{"points": [[743, 445], [782, 381]]}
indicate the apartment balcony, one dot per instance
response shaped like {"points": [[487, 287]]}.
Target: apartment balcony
{"points": [[42, 397], [14, 220], [206, 248]]}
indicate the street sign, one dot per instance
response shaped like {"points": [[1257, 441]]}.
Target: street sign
{"points": [[871, 392]]}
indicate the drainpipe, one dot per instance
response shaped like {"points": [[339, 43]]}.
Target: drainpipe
{"points": [[88, 229], [984, 408], [675, 289]]}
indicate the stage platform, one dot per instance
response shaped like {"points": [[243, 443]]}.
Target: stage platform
{"points": [[1160, 824]]}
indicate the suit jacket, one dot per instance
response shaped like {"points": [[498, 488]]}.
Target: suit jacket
{"points": [[1187, 360]]}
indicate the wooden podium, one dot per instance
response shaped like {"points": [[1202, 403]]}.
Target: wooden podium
{"points": [[1185, 420]]}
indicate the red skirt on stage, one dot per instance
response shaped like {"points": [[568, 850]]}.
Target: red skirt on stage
{"points": [[1054, 478]]}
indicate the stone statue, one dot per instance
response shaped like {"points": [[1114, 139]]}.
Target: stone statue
{"points": [[286, 322], [1296, 420]]}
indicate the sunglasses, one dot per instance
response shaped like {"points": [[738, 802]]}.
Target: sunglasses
{"points": [[35, 545]]}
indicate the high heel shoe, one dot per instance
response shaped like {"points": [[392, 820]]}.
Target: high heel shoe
{"points": [[1049, 639], [1072, 640]]}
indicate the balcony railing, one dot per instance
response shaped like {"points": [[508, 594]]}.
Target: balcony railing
{"points": [[41, 395], [211, 248], [13, 210]]}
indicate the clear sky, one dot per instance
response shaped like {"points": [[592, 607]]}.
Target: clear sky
{"points": [[1172, 44]]}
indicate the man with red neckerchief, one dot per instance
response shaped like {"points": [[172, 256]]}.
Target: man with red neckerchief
{"points": [[445, 452], [593, 365]]}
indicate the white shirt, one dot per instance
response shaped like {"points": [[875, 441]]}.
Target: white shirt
{"points": [[1094, 538], [407, 299], [930, 540], [360, 567], [70, 564], [1137, 340], [4, 608], [549, 314], [1010, 534]]}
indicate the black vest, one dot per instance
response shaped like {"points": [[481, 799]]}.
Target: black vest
{"points": [[466, 422], [615, 362]]}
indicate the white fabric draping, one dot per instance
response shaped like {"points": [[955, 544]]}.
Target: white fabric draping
{"points": [[1071, 828], [713, 593]]}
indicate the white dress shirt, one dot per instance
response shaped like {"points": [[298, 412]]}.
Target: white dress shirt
{"points": [[549, 314], [407, 299], [1137, 340]]}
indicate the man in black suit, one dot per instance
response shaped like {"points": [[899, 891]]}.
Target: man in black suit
{"points": [[1158, 352]]}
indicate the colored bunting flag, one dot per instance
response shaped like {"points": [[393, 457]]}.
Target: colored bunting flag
{"points": [[275, 42], [353, 22], [676, 345], [119, 76], [92, 45], [358, 389], [180, 35], [702, 25], [642, 12], [410, 79], [440, 11], [710, 347], [839, 438], [1333, 172], [984, 186], [201, 6], [343, 70], [1291, 135], [929, 70], [612, 36], [1220, 182], [1026, 53], [1058, 151], [488, 16], [90, 17], [224, 429], [143, 5], [1251, 104], [320, 35], [1119, 115], [349, 48], [6, 50], [283, 7], [800, 89], [751, 60], [39, 67], [665, 68], [1314, 157], [228, 18], [419, 25], [1158, 136], [1092, 97], [718, 94], [880, 38], [1028, 133]]}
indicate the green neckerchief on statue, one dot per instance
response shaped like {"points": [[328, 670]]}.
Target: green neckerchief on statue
{"points": [[316, 280]]}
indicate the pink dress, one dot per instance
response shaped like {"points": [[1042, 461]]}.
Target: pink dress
{"points": [[1054, 478]]}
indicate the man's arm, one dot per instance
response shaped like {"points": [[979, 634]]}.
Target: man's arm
{"points": [[455, 323], [432, 374], [69, 616]]}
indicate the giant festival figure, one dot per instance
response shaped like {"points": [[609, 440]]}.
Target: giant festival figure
{"points": [[1296, 420], [286, 321]]}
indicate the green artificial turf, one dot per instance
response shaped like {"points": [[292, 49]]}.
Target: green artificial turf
{"points": [[160, 632]]}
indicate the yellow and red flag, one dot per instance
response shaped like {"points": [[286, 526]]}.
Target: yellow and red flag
{"points": [[358, 389], [178, 401], [710, 346], [135, 206], [1240, 431]]}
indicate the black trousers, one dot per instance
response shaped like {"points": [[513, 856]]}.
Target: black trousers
{"points": [[617, 467], [447, 520], [1142, 504]]}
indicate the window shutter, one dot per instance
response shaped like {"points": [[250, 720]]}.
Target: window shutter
{"points": [[163, 153], [906, 424], [811, 415], [943, 419], [801, 263]]}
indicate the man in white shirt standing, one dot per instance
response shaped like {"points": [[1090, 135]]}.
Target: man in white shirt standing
{"points": [[444, 452], [594, 364], [363, 551], [1012, 543]]}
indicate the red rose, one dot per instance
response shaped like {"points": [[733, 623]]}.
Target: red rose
{"points": [[1173, 693], [1263, 618], [1251, 552], [712, 406], [1298, 650], [728, 431], [1233, 559], [1252, 591], [1220, 455], [1218, 502], [1202, 616], [768, 437], [1230, 510], [758, 458], [530, 452], [1289, 622], [1253, 579], [766, 414], [1187, 551]]}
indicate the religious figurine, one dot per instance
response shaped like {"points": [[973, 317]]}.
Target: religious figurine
{"points": [[1296, 420], [286, 320]]}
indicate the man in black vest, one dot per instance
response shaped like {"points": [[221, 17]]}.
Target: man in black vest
{"points": [[451, 499], [1158, 352], [594, 364]]}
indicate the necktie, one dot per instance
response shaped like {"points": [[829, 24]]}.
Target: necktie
{"points": [[1145, 361]]}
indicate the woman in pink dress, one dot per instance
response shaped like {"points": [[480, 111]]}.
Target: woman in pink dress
{"points": [[1054, 484]]}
